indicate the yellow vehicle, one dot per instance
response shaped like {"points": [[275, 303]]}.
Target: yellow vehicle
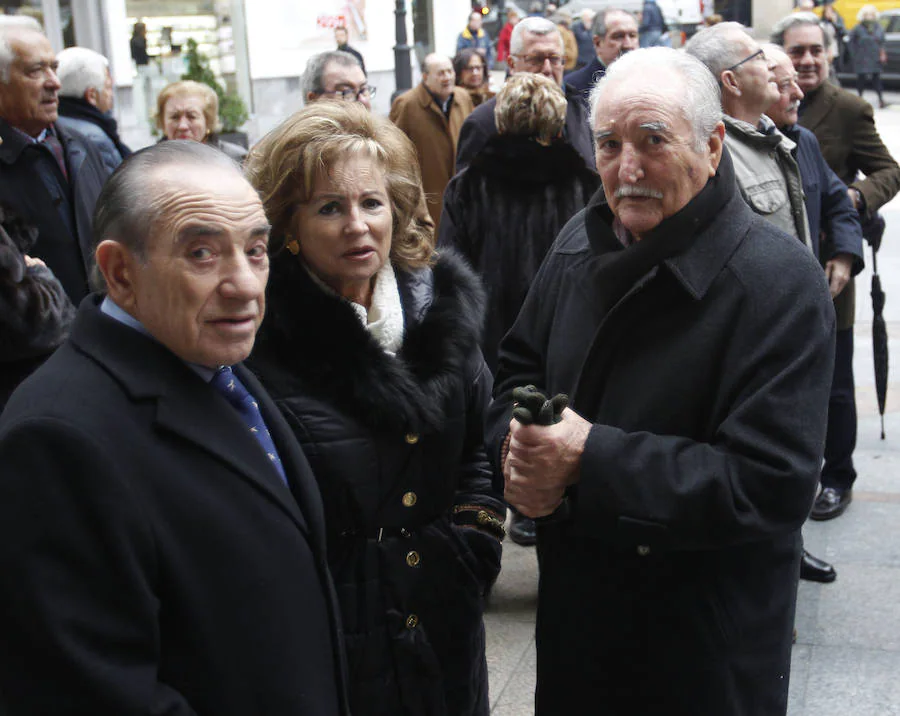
{"points": [[848, 9]]}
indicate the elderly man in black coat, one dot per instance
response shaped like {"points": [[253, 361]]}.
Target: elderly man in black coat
{"points": [[49, 175], [694, 340], [161, 535]]}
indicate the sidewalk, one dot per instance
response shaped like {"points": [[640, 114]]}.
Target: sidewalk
{"points": [[847, 658]]}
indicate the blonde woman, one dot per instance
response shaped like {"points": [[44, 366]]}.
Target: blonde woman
{"points": [[370, 349], [190, 110]]}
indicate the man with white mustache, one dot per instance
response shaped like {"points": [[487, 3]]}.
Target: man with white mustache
{"points": [[694, 340]]}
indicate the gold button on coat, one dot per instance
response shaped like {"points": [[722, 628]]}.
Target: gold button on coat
{"points": [[412, 438], [412, 621], [409, 499], [643, 550], [413, 558]]}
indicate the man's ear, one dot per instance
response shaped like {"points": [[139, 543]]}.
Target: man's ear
{"points": [[117, 264], [716, 143], [730, 86], [509, 63], [91, 95]]}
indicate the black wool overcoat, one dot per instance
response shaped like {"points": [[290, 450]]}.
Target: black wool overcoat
{"points": [[702, 354]]}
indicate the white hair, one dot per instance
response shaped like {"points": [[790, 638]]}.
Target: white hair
{"points": [[533, 26], [81, 69], [714, 47], [13, 25], [699, 98]]}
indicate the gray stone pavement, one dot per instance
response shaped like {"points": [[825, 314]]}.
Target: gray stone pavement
{"points": [[847, 658]]}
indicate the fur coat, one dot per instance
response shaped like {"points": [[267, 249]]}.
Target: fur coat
{"points": [[35, 312], [396, 444], [504, 211]]}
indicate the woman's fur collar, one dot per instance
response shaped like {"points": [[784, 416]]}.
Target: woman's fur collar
{"points": [[312, 343]]}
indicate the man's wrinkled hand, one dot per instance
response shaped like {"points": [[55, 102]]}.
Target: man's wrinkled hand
{"points": [[837, 271], [542, 462]]}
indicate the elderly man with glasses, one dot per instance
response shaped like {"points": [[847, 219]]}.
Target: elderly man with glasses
{"points": [[535, 46], [766, 170], [336, 74], [764, 163]]}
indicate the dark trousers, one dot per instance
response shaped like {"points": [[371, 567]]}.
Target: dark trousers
{"points": [[840, 440], [861, 81]]}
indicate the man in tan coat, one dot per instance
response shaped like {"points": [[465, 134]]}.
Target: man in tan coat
{"points": [[431, 114]]}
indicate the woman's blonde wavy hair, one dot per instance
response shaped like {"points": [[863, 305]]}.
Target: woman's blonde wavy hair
{"points": [[284, 165]]}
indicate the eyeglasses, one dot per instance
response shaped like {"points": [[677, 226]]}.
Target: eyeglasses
{"points": [[537, 61], [351, 95], [759, 53]]}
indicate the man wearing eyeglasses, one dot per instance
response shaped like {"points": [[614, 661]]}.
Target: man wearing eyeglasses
{"points": [[534, 46], [766, 170], [338, 75], [844, 124], [764, 159]]}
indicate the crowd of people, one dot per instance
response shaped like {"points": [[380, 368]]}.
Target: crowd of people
{"points": [[265, 413]]}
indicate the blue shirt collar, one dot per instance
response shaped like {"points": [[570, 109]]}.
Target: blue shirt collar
{"points": [[111, 309]]}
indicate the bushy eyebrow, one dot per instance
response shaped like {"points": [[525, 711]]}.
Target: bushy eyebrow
{"points": [[212, 230], [603, 134], [655, 126]]}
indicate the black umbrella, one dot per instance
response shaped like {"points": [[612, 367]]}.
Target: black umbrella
{"points": [[873, 230]]}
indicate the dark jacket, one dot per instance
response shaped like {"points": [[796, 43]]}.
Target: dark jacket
{"points": [[396, 444], [866, 44], [702, 354], [32, 184], [585, 39], [582, 81], [828, 207], [844, 124], [503, 213], [35, 312], [480, 126], [99, 129], [151, 559]]}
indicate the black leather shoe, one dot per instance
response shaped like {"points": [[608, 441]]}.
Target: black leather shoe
{"points": [[522, 530], [831, 503], [813, 569]]}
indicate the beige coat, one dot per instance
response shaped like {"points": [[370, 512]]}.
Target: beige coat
{"points": [[434, 136]]}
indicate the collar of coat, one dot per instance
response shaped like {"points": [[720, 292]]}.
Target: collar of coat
{"points": [[522, 160], [467, 33], [312, 343], [683, 243], [765, 137]]}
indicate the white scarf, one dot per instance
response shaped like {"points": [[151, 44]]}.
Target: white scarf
{"points": [[384, 319]]}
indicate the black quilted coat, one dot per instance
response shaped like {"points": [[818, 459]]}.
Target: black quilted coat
{"points": [[396, 445]]}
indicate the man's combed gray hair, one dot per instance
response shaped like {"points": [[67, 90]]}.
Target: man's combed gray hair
{"points": [[699, 99], [132, 201], [598, 26], [10, 25], [311, 79], [533, 26], [714, 48], [81, 69], [797, 19]]}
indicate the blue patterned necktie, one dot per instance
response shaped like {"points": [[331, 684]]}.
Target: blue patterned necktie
{"points": [[227, 383]]}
